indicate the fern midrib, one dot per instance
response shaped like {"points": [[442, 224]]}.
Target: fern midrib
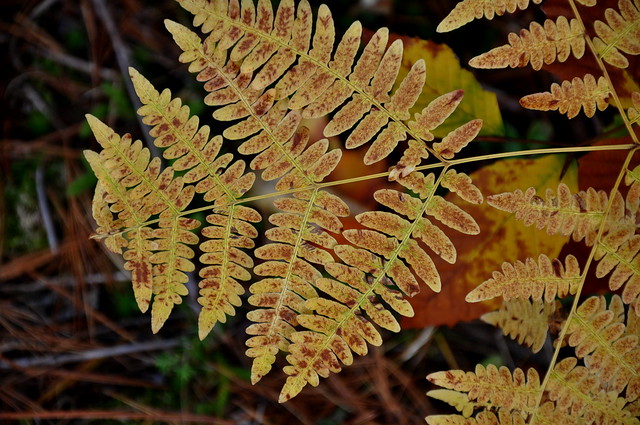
{"points": [[562, 211], [294, 255], [543, 279], [171, 264], [377, 281], [328, 70], [225, 258], [606, 345], [265, 128]]}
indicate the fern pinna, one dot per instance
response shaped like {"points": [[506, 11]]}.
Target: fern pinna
{"points": [[265, 71]]}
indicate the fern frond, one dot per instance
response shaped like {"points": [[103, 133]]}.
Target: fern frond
{"points": [[378, 257], [139, 190], [300, 237], [523, 320], [598, 334], [539, 45], [196, 154], [225, 263], [300, 240], [337, 326], [539, 281], [571, 96], [318, 85], [468, 10], [621, 32], [578, 214], [159, 256], [490, 386]]}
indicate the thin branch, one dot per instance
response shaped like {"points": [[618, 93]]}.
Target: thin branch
{"points": [[45, 212], [98, 353], [124, 62]]}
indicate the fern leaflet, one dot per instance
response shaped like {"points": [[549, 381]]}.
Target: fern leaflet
{"points": [[621, 32]]}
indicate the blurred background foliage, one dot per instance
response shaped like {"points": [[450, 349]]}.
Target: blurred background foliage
{"points": [[73, 347]]}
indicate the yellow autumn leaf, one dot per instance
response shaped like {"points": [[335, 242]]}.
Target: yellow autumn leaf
{"points": [[502, 238], [444, 75]]}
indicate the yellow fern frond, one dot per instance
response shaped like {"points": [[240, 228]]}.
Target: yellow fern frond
{"points": [[224, 262], [159, 256], [571, 96], [468, 10], [300, 240], [126, 167], [378, 257], [220, 183], [539, 45], [539, 281], [565, 213], [336, 328], [491, 386], [524, 321], [621, 32], [359, 91]]}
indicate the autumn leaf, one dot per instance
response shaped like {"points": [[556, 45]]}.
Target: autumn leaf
{"points": [[502, 238], [445, 75]]}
